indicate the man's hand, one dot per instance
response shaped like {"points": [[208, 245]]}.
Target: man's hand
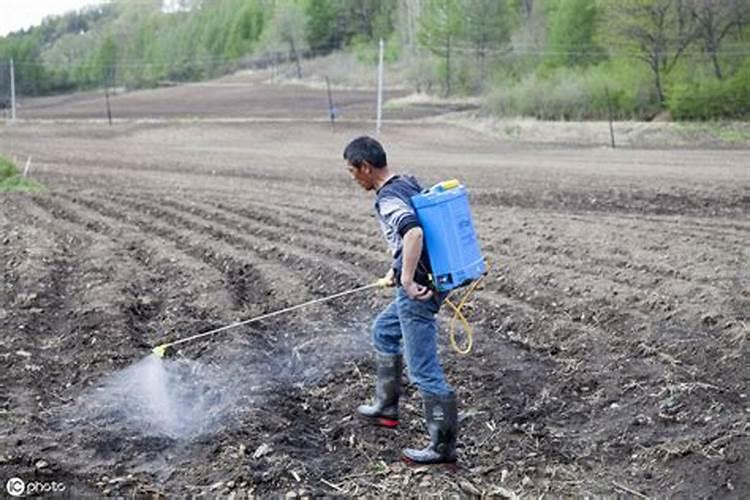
{"points": [[415, 291], [388, 280], [412, 250]]}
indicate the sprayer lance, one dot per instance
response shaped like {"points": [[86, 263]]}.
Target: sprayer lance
{"points": [[161, 350]]}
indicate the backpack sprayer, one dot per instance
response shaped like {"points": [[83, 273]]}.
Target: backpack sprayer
{"points": [[456, 261], [452, 246], [444, 214]]}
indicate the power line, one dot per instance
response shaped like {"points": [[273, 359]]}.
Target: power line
{"points": [[509, 53], [263, 57]]}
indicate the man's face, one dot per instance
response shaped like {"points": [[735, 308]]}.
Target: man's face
{"points": [[362, 174]]}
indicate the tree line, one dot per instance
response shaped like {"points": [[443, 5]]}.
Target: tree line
{"points": [[558, 59]]}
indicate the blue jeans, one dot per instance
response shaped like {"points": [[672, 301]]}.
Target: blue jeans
{"points": [[413, 321]]}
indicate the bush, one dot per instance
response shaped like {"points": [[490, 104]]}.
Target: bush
{"points": [[711, 98], [570, 94], [11, 180], [7, 169], [368, 51]]}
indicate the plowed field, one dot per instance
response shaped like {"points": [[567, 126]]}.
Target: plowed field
{"points": [[611, 334]]}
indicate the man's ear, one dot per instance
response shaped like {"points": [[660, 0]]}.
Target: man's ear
{"points": [[367, 164]]}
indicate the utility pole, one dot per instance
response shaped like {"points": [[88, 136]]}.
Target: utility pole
{"points": [[12, 92], [380, 91]]}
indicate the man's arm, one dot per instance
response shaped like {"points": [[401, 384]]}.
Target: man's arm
{"points": [[412, 250]]}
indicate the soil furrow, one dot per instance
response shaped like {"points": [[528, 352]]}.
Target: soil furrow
{"points": [[296, 274], [117, 278], [300, 220], [38, 274], [260, 222], [285, 246], [241, 278], [338, 211], [183, 297], [674, 225]]}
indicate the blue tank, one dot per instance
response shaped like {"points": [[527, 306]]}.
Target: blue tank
{"points": [[445, 216]]}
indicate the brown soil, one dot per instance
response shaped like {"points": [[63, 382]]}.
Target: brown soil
{"points": [[237, 96], [611, 335]]}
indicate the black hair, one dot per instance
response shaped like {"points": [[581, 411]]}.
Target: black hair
{"points": [[366, 149]]}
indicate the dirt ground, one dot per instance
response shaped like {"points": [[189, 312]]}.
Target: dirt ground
{"points": [[238, 96], [611, 338]]}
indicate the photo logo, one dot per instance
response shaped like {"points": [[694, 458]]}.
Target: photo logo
{"points": [[15, 487]]}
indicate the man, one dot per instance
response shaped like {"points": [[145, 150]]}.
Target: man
{"points": [[411, 316]]}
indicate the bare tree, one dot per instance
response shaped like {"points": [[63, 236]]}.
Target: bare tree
{"points": [[286, 29], [527, 8], [660, 30], [742, 12], [715, 20], [411, 10]]}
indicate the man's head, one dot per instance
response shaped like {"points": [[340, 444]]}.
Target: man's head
{"points": [[367, 162]]}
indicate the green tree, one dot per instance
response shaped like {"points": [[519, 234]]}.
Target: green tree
{"points": [[369, 19], [440, 26], [245, 30], [30, 74], [487, 28], [104, 67], [384, 20], [323, 32], [65, 58], [572, 29]]}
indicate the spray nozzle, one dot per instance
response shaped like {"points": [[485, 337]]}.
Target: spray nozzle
{"points": [[160, 351]]}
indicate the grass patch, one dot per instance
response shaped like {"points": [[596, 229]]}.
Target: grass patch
{"points": [[725, 132], [733, 135], [12, 181]]}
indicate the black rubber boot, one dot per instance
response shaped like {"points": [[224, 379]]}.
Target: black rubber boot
{"points": [[441, 414], [384, 411]]}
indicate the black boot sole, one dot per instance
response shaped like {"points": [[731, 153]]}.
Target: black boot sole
{"points": [[451, 466]]}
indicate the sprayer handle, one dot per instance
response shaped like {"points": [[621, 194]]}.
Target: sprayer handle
{"points": [[387, 281]]}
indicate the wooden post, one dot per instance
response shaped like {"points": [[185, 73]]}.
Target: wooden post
{"points": [[609, 113], [275, 63], [296, 58], [331, 108], [27, 168], [109, 110], [12, 92]]}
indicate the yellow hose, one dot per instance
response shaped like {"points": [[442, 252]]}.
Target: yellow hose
{"points": [[458, 315]]}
